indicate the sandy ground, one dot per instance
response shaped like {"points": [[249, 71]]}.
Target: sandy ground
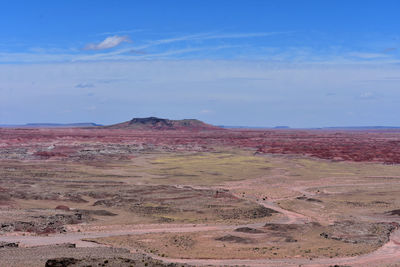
{"points": [[386, 255]]}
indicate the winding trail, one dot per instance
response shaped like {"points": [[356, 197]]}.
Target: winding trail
{"points": [[76, 237], [291, 217]]}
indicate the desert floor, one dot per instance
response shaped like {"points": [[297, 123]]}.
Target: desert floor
{"points": [[106, 197]]}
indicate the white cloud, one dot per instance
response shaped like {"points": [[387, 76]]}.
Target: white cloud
{"points": [[367, 55], [367, 95], [108, 43]]}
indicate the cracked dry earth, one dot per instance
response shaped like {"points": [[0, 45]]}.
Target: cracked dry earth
{"points": [[79, 197]]}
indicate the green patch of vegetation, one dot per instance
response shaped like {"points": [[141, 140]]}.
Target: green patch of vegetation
{"points": [[209, 168]]}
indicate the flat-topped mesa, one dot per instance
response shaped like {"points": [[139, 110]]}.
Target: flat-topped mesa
{"points": [[154, 123]]}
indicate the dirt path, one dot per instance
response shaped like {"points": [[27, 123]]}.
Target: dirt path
{"points": [[290, 216], [76, 237]]}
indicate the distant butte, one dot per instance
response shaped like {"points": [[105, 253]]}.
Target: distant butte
{"points": [[154, 123]]}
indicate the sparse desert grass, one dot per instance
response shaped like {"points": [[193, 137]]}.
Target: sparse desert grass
{"points": [[208, 168], [311, 169], [289, 176], [114, 187], [341, 186], [347, 202]]}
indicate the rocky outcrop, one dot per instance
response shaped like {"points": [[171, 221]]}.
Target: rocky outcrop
{"points": [[114, 262]]}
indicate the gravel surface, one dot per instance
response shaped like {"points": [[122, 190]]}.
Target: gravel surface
{"points": [[37, 256]]}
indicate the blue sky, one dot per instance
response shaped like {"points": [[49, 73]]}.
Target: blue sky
{"points": [[256, 63]]}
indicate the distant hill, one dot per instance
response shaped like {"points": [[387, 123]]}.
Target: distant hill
{"points": [[254, 127], [342, 128], [51, 125], [362, 127], [154, 123], [244, 127]]}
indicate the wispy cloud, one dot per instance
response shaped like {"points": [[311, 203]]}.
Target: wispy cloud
{"points": [[141, 53], [389, 49], [382, 79], [392, 78], [84, 85], [242, 35], [367, 96], [210, 36], [91, 108], [121, 32], [108, 43], [123, 55], [205, 111], [367, 55], [202, 45]]}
